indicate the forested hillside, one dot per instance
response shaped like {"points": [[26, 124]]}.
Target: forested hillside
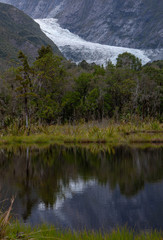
{"points": [[19, 32]]}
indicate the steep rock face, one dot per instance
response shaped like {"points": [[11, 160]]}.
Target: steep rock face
{"points": [[127, 23], [19, 32]]}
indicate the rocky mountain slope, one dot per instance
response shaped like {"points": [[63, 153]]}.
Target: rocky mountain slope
{"points": [[19, 32], [127, 23]]}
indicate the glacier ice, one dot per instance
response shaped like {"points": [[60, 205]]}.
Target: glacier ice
{"points": [[77, 49]]}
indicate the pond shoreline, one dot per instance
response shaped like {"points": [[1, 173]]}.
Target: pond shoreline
{"points": [[116, 135], [51, 140]]}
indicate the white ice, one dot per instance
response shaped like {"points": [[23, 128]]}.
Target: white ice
{"points": [[77, 49]]}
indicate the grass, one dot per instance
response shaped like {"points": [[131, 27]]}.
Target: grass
{"points": [[92, 132], [4, 220], [20, 231]]}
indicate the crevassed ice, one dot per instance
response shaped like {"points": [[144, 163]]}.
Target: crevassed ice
{"points": [[77, 49]]}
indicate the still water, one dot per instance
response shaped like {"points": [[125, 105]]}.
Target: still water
{"points": [[78, 187]]}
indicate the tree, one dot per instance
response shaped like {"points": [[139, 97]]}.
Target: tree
{"points": [[24, 88], [92, 102], [50, 76], [70, 104], [129, 61], [82, 84], [151, 92]]}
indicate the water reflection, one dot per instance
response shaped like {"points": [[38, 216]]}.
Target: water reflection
{"points": [[76, 187]]}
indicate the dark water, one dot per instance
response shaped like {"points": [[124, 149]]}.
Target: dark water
{"points": [[75, 187]]}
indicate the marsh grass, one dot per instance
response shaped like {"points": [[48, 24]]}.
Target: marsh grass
{"points": [[92, 132]]}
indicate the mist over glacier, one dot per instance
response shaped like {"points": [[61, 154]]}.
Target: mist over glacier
{"points": [[77, 49]]}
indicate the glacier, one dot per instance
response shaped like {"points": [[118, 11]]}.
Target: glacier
{"points": [[77, 49]]}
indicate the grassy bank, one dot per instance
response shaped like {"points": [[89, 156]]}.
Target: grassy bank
{"points": [[17, 231], [93, 132]]}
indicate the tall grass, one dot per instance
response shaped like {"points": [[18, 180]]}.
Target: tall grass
{"points": [[106, 131], [18, 231], [4, 220]]}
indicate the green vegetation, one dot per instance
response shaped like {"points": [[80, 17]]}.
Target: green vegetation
{"points": [[92, 132], [17, 231], [56, 101], [55, 91], [19, 32]]}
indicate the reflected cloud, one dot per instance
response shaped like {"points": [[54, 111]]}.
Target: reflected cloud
{"points": [[74, 187]]}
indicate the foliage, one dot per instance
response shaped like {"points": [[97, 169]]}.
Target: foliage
{"points": [[129, 61], [53, 90]]}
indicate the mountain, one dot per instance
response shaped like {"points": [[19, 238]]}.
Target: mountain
{"points": [[127, 23], [19, 32]]}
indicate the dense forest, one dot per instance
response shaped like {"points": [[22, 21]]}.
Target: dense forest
{"points": [[54, 90]]}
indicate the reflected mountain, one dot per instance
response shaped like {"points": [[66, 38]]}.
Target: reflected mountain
{"points": [[75, 187]]}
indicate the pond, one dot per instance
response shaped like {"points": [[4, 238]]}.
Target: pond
{"points": [[77, 187]]}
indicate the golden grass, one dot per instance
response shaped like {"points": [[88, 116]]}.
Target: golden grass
{"points": [[4, 220]]}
